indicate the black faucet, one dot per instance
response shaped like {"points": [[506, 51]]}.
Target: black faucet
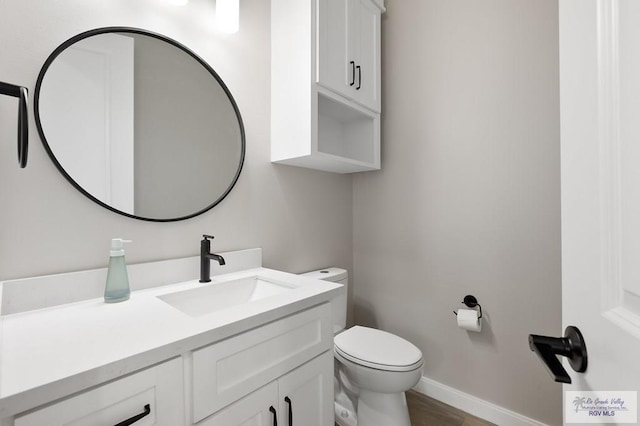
{"points": [[205, 256]]}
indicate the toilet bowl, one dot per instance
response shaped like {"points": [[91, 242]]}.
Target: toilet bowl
{"points": [[373, 368]]}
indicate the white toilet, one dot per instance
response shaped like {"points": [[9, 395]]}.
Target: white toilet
{"points": [[373, 368]]}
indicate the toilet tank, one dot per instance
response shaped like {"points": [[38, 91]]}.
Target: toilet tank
{"points": [[338, 304]]}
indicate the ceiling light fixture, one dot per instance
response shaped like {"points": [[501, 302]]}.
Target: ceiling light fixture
{"points": [[228, 15]]}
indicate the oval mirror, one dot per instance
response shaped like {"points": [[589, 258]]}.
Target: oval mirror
{"points": [[139, 124]]}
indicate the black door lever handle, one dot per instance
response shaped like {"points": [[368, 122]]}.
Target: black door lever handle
{"points": [[571, 346]]}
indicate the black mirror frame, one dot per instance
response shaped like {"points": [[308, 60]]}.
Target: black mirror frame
{"points": [[132, 30]]}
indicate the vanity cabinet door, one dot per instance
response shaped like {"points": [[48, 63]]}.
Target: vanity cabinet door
{"points": [[256, 409], [151, 397], [228, 370], [302, 397], [306, 394]]}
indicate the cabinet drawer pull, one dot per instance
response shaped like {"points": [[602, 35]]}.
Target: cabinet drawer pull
{"points": [[353, 73], [132, 420], [275, 415], [288, 401], [359, 77]]}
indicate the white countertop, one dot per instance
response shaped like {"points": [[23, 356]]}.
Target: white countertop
{"points": [[49, 353]]}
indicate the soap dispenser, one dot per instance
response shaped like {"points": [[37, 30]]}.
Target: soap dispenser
{"points": [[117, 287]]}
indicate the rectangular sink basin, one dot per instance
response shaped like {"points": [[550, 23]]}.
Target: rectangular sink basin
{"points": [[212, 297]]}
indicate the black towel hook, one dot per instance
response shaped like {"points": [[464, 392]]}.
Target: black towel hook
{"points": [[22, 94]]}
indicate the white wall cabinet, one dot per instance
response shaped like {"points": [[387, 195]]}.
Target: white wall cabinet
{"points": [[349, 50], [302, 397], [325, 84]]}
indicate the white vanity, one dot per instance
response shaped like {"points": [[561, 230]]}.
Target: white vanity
{"points": [[254, 343]]}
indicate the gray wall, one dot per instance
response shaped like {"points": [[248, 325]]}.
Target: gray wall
{"points": [[468, 199], [301, 218], [186, 133]]}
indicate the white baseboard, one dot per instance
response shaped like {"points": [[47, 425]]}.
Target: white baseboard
{"points": [[473, 405]]}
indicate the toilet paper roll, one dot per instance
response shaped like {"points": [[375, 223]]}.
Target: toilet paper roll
{"points": [[468, 320]]}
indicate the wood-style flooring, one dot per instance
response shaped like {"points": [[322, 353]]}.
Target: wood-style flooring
{"points": [[425, 411]]}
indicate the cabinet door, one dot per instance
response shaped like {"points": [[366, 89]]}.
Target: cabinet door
{"points": [[256, 409], [335, 68], [228, 370], [364, 23], [306, 394], [348, 57]]}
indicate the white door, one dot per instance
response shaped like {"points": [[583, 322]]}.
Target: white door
{"points": [[600, 152], [90, 89]]}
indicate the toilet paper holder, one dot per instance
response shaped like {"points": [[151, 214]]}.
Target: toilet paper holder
{"points": [[471, 302]]}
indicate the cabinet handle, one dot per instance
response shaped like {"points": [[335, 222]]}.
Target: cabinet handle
{"points": [[359, 77], [288, 401], [132, 420], [275, 415], [353, 73]]}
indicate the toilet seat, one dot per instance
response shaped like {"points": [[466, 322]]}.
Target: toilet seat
{"points": [[377, 349]]}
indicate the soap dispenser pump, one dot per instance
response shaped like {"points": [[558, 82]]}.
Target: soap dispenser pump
{"points": [[117, 287]]}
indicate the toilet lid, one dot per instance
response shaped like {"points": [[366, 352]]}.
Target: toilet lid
{"points": [[377, 349]]}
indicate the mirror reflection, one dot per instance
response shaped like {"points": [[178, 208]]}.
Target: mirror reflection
{"points": [[139, 124]]}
